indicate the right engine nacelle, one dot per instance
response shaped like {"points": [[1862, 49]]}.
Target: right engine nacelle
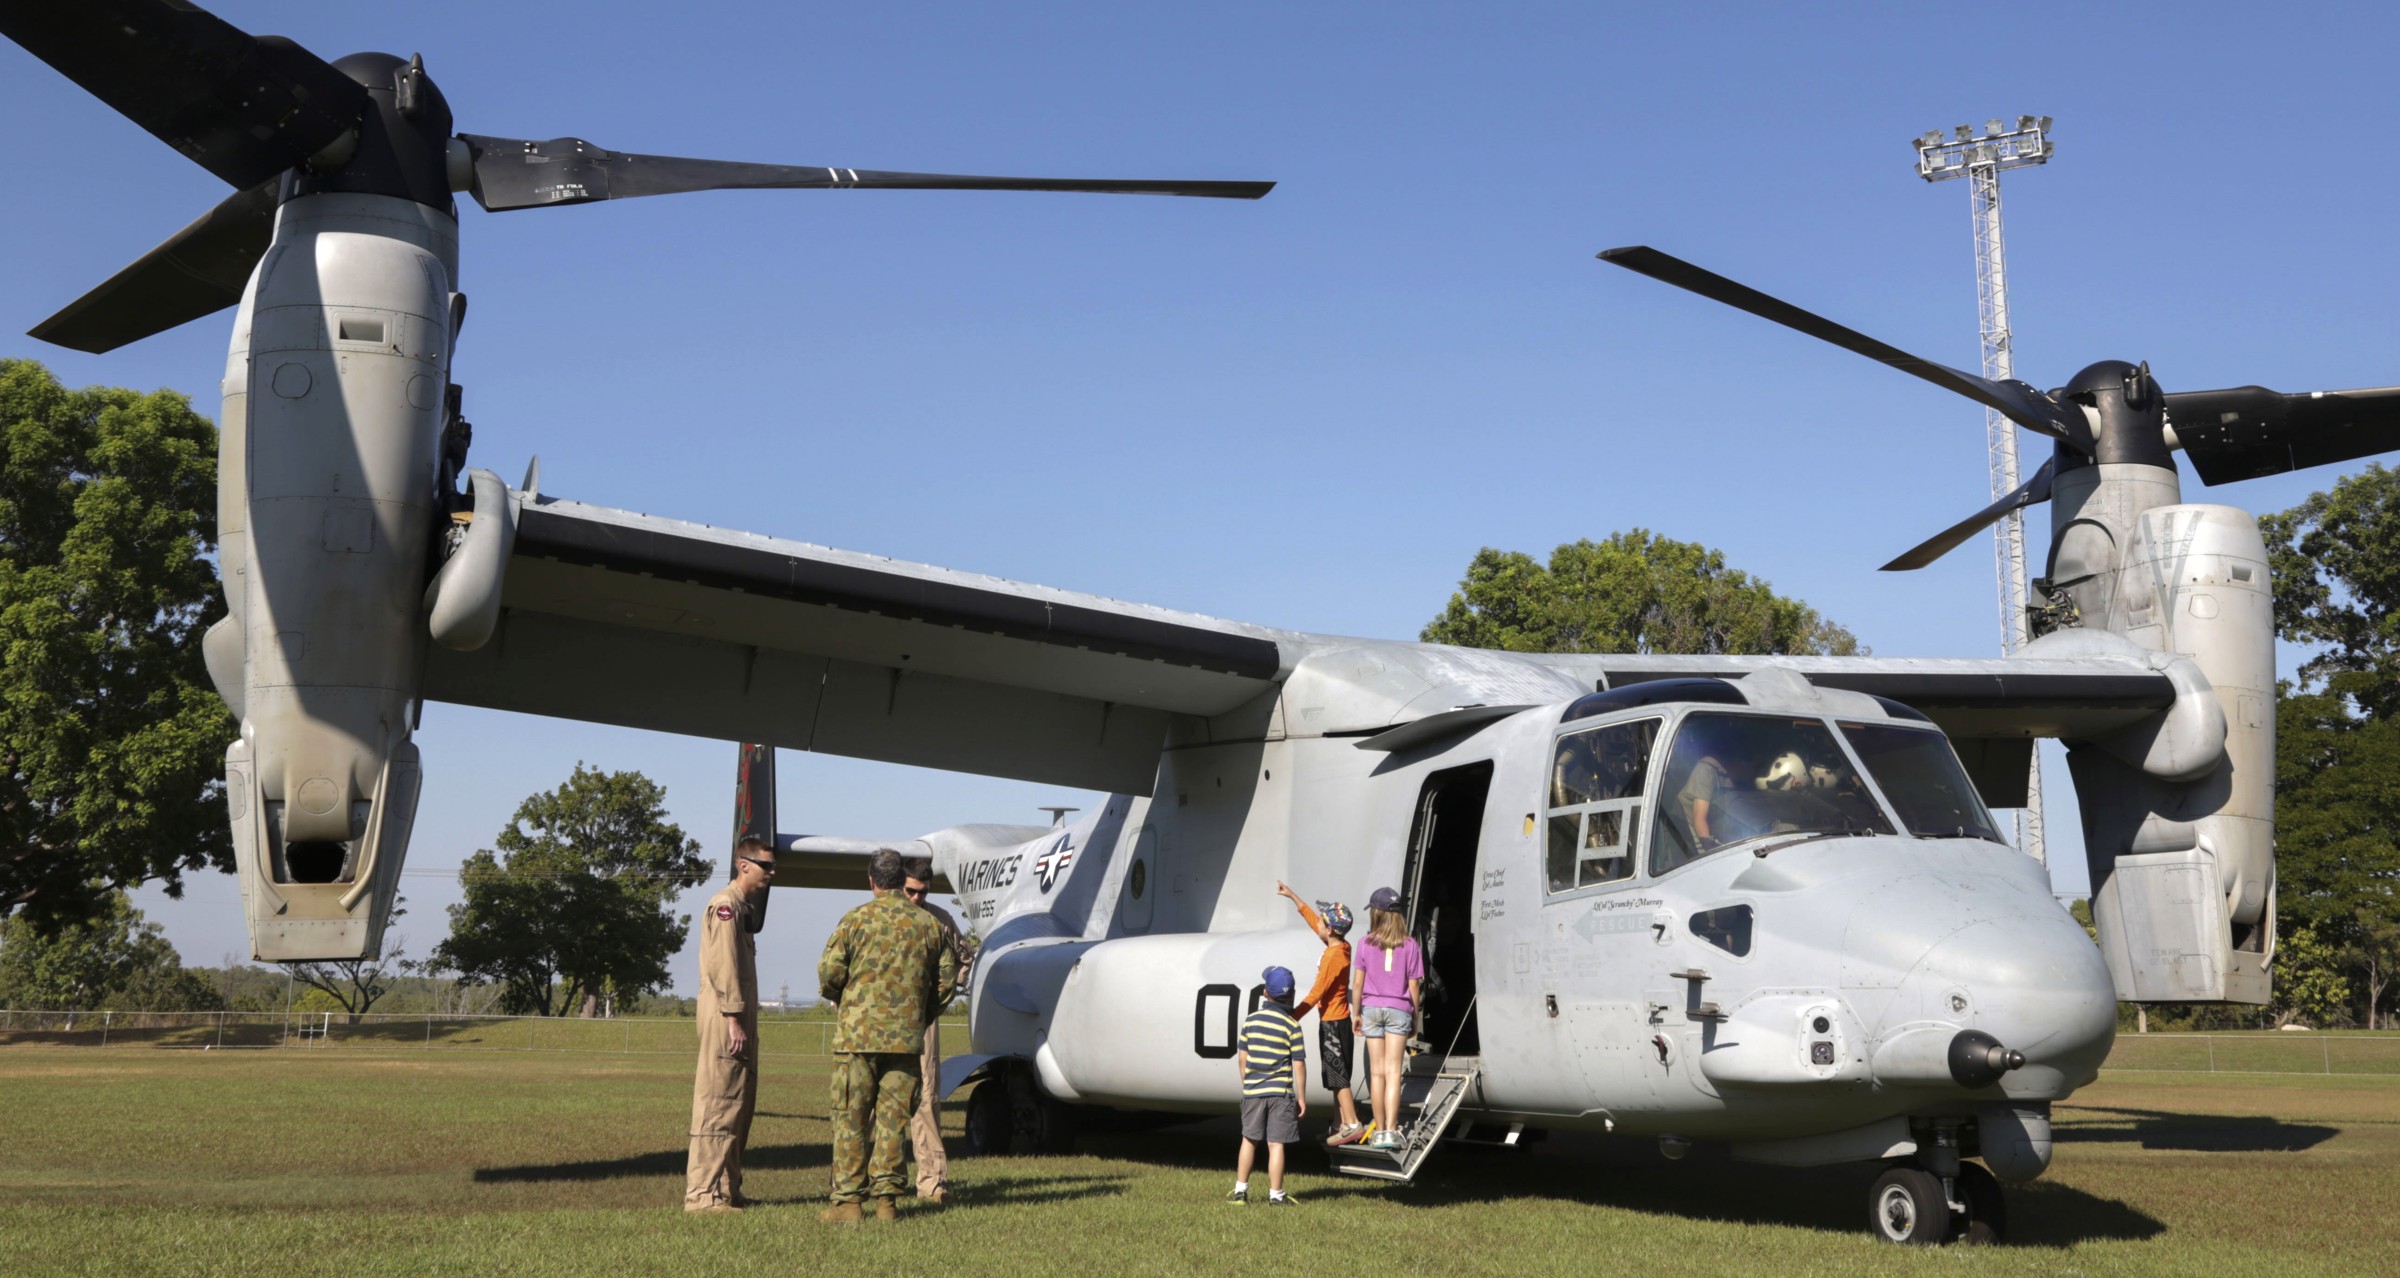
{"points": [[2178, 832]]}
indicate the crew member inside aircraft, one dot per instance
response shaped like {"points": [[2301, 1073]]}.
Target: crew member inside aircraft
{"points": [[725, 1088], [1330, 997], [925, 1128]]}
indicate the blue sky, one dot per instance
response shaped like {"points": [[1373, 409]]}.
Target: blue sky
{"points": [[1309, 411]]}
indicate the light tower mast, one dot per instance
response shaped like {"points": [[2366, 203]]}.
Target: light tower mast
{"points": [[1980, 159]]}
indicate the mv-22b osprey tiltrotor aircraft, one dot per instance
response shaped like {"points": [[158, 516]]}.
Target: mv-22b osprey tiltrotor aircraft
{"points": [[1755, 901]]}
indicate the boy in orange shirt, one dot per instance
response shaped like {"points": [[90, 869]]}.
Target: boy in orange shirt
{"points": [[1330, 996]]}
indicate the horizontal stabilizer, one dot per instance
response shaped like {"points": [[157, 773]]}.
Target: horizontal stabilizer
{"points": [[832, 861]]}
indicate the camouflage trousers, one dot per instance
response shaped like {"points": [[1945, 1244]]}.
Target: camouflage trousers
{"points": [[871, 1097]]}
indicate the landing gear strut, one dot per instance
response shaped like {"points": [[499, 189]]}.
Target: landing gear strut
{"points": [[1008, 1114]]}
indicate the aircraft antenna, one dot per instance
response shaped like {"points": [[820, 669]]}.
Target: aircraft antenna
{"points": [[1981, 159]]}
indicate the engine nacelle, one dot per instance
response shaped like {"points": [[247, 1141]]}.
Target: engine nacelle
{"points": [[2178, 832], [335, 393]]}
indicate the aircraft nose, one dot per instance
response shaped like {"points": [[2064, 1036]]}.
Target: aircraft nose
{"points": [[2020, 973]]}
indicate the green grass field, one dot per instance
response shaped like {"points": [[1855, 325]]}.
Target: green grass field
{"points": [[297, 1162]]}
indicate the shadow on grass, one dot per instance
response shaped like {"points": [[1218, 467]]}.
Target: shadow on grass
{"points": [[1014, 1191], [664, 1162], [1630, 1175], [2205, 1133]]}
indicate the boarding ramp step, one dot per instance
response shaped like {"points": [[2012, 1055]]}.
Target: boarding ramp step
{"points": [[1430, 1098]]}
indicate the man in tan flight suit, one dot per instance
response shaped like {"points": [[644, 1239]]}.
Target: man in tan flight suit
{"points": [[888, 966], [925, 1128], [725, 1089]]}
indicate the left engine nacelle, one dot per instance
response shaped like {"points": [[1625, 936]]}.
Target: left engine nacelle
{"points": [[335, 395]]}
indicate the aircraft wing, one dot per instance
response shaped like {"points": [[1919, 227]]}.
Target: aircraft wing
{"points": [[647, 622], [616, 617], [2072, 698]]}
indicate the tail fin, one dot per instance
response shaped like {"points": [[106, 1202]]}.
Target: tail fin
{"points": [[754, 808]]}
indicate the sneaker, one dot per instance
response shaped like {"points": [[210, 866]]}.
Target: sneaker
{"points": [[1282, 1200], [1346, 1135], [1239, 1197]]}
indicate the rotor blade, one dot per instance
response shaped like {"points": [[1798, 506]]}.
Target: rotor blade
{"points": [[243, 107], [2032, 492], [2014, 400], [199, 269], [514, 173], [2247, 431]]}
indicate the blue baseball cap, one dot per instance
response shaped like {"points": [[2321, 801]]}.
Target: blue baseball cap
{"points": [[1384, 899], [1278, 981]]}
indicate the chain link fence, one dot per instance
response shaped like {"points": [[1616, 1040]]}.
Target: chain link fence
{"points": [[665, 1035], [2266, 1052]]}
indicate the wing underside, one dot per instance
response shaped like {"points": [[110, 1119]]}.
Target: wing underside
{"points": [[615, 617]]}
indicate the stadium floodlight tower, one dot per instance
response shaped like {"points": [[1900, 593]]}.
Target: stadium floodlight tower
{"points": [[1980, 159]]}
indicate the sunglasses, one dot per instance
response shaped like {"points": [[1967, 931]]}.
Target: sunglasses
{"points": [[764, 866], [916, 892]]}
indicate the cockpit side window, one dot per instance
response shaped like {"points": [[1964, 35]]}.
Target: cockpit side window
{"points": [[1731, 778], [1594, 803]]}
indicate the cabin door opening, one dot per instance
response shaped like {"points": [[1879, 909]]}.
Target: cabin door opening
{"points": [[1439, 884]]}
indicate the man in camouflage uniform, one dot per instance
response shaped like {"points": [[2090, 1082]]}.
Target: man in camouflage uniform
{"points": [[889, 968], [725, 1088]]}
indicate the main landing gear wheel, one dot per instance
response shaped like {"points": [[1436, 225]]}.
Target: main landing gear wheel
{"points": [[1986, 1217], [1907, 1206], [1008, 1114]]}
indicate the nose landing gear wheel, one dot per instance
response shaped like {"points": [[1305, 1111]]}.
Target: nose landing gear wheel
{"points": [[1986, 1217], [1907, 1206]]}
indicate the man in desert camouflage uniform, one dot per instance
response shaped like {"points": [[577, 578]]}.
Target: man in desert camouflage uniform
{"points": [[725, 1088], [925, 1127], [889, 968]]}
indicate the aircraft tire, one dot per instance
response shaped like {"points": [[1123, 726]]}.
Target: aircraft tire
{"points": [[1986, 1217], [1038, 1124], [1907, 1206], [988, 1126]]}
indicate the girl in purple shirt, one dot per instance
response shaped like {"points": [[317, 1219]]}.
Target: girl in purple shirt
{"points": [[1387, 982]]}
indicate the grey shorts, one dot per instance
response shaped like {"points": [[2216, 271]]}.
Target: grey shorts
{"points": [[1380, 1021], [1273, 1119]]}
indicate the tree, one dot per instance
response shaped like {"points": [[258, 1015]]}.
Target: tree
{"points": [[2336, 573], [1636, 592], [2373, 951], [2336, 568], [573, 906], [112, 739], [113, 960], [355, 984], [2309, 987]]}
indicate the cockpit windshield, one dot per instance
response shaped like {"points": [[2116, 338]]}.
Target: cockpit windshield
{"points": [[1920, 774], [1737, 777]]}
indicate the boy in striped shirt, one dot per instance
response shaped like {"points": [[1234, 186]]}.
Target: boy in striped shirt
{"points": [[1271, 1060]]}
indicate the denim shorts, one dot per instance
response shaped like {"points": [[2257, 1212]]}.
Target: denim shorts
{"points": [[1380, 1021]]}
